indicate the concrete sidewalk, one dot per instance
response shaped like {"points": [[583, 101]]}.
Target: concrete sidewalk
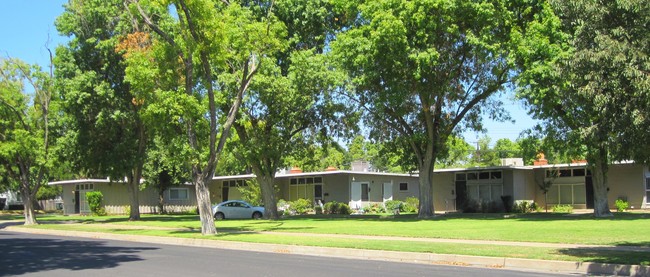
{"points": [[394, 256]]}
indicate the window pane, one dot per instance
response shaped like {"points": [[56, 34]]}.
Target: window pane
{"points": [[484, 193], [460, 177], [173, 194], [301, 181], [647, 184], [565, 173], [403, 186], [553, 194], [495, 174], [472, 192], [293, 193], [293, 181], [318, 180], [497, 191], [579, 194], [579, 172], [318, 191], [647, 196], [472, 176], [484, 175], [310, 180], [566, 194]]}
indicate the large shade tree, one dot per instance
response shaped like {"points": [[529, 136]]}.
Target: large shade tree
{"points": [[595, 96], [105, 134], [424, 70], [25, 136], [206, 55]]}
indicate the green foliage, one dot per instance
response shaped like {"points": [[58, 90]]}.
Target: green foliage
{"points": [[251, 193], [621, 205], [393, 205], [300, 206], [411, 205], [334, 207], [48, 192], [524, 207], [95, 199], [374, 208], [561, 208]]}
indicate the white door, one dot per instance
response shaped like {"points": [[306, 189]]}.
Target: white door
{"points": [[355, 195], [388, 191]]}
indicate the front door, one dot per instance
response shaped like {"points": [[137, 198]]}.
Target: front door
{"points": [[364, 191], [224, 193], [388, 191], [76, 201]]}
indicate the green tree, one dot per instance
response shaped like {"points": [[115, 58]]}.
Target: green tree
{"points": [[206, 54], [457, 153], [425, 69], [292, 101], [105, 134], [594, 96], [25, 137]]}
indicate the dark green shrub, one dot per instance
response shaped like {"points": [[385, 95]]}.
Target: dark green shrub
{"points": [[411, 205], [491, 207], [95, 199], [470, 206], [334, 207], [507, 203]]}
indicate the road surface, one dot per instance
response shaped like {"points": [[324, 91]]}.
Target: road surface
{"points": [[42, 255]]}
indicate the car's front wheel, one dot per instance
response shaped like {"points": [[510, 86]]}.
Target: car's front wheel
{"points": [[257, 215], [219, 216]]}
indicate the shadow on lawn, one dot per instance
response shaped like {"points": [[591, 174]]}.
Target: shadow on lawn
{"points": [[22, 255], [611, 255]]}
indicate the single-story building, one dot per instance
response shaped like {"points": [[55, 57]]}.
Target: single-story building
{"points": [[571, 185]]}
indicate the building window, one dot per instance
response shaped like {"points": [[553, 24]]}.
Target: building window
{"points": [[179, 194], [310, 188], [235, 183], [567, 194], [485, 192], [403, 186]]}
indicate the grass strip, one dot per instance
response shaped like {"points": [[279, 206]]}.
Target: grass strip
{"points": [[543, 253]]}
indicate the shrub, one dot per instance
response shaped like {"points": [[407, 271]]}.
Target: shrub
{"points": [[301, 206], [334, 207], [524, 206], [374, 209], [470, 206], [491, 207], [621, 205], [95, 199], [411, 205], [507, 203], [393, 205], [562, 209]]}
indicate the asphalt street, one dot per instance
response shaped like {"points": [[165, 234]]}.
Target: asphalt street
{"points": [[43, 255]]}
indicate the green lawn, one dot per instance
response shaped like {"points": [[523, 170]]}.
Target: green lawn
{"points": [[623, 229]]}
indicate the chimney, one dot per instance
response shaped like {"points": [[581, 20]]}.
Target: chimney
{"points": [[331, 168], [295, 169], [541, 159]]}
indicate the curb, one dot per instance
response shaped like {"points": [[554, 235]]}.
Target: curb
{"points": [[364, 254]]}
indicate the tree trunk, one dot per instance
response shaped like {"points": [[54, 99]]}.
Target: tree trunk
{"points": [[205, 207], [268, 195], [28, 204], [161, 202], [426, 209], [599, 170], [133, 186]]}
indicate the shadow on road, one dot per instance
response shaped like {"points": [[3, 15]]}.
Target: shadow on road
{"points": [[23, 255]]}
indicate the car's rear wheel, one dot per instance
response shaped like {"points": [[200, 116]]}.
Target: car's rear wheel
{"points": [[257, 215], [219, 216]]}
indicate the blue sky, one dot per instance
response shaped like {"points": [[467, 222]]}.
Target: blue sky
{"points": [[26, 25]]}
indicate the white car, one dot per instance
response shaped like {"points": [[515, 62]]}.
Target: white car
{"points": [[236, 209]]}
